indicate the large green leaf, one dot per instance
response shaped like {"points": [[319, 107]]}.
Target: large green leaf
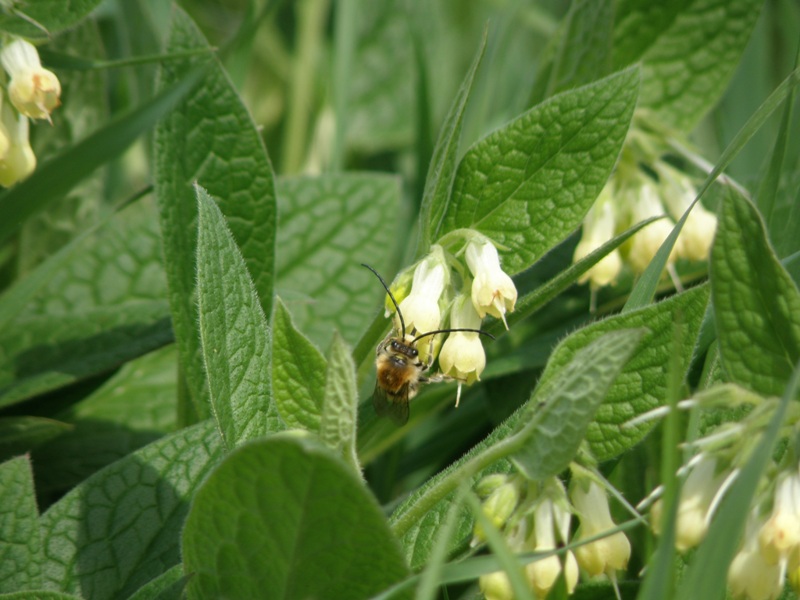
{"points": [[234, 334], [42, 353], [329, 225], [211, 139], [530, 183], [642, 384], [298, 373], [756, 302], [20, 540], [285, 515], [133, 408], [121, 527], [688, 50]]}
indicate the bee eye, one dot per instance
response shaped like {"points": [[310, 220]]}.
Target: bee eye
{"points": [[414, 352], [394, 346]]}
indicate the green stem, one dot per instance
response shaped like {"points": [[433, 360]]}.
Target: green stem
{"points": [[342, 69], [311, 17]]}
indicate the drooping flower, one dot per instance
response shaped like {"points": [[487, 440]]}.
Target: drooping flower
{"points": [[420, 308], [598, 228], [462, 356], [779, 537], [609, 554], [493, 292], [678, 193], [498, 507], [18, 161], [34, 91], [694, 505], [644, 202], [751, 575], [551, 521]]}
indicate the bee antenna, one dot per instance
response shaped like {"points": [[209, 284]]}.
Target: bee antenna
{"points": [[486, 333], [396, 307]]}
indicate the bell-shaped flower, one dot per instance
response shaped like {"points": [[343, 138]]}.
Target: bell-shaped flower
{"points": [[751, 576], [697, 499], [420, 309], [678, 193], [779, 537], [606, 555], [18, 161], [551, 519], [493, 292], [598, 228], [644, 202], [34, 91], [462, 356]]}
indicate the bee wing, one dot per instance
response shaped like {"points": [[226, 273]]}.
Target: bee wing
{"points": [[394, 406]]}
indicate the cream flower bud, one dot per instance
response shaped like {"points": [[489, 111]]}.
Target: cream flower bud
{"points": [[606, 555], [19, 161], [598, 228], [33, 90], [645, 203], [551, 520], [750, 575], [496, 586], [498, 507], [490, 483], [420, 308], [462, 356], [780, 535], [493, 292], [678, 193]]}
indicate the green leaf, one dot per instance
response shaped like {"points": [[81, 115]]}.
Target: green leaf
{"points": [[120, 528], [57, 176], [442, 170], [234, 333], [581, 50], [529, 184], [42, 353], [114, 263], [566, 402], [329, 225], [757, 305], [642, 384], [210, 138], [20, 541], [688, 52], [331, 540], [298, 373], [380, 100], [39, 595], [22, 434], [167, 586], [133, 408], [340, 408], [43, 18]]}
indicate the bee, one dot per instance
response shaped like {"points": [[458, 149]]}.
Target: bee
{"points": [[400, 371]]}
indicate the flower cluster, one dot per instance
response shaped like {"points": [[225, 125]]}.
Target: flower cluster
{"points": [[444, 294], [536, 517], [770, 549], [633, 195], [34, 93]]}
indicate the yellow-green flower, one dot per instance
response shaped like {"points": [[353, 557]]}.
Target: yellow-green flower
{"points": [[34, 91]]}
